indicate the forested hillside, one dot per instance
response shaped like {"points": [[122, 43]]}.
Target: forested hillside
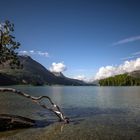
{"points": [[128, 79]]}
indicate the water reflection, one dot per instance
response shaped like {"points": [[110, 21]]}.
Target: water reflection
{"points": [[56, 94]]}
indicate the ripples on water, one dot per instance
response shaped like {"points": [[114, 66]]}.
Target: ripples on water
{"points": [[95, 112]]}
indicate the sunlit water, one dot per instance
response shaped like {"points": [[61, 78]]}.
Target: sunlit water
{"points": [[96, 113]]}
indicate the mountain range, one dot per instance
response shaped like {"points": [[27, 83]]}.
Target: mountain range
{"points": [[33, 73]]}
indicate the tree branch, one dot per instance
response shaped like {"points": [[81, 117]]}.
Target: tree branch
{"points": [[56, 110]]}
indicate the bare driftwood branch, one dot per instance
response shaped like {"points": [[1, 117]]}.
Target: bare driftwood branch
{"points": [[9, 122], [56, 110]]}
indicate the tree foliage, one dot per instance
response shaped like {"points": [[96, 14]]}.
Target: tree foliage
{"points": [[8, 45], [120, 80]]}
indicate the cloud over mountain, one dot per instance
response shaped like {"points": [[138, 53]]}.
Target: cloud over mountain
{"points": [[81, 77], [127, 66], [58, 67]]}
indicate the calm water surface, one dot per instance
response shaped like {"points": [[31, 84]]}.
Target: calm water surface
{"points": [[96, 113]]}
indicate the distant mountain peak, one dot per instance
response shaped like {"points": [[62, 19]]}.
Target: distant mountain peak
{"points": [[58, 74]]}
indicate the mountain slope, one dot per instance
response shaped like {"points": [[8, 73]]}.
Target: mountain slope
{"points": [[135, 74], [32, 73]]}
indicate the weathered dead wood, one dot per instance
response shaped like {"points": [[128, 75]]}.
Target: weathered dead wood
{"points": [[55, 109], [9, 122]]}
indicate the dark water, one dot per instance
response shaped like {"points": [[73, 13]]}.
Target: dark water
{"points": [[96, 113]]}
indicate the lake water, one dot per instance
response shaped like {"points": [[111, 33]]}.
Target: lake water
{"points": [[96, 113]]}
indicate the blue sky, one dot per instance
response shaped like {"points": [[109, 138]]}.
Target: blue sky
{"points": [[83, 35]]}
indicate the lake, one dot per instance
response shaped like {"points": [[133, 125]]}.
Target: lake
{"points": [[96, 113]]}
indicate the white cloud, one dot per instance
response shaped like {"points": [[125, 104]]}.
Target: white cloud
{"points": [[23, 52], [57, 67], [127, 40], [136, 53], [81, 77], [43, 53], [129, 57], [32, 52], [132, 56], [84, 78], [127, 66]]}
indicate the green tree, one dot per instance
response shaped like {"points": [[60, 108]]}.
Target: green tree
{"points": [[8, 45]]}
